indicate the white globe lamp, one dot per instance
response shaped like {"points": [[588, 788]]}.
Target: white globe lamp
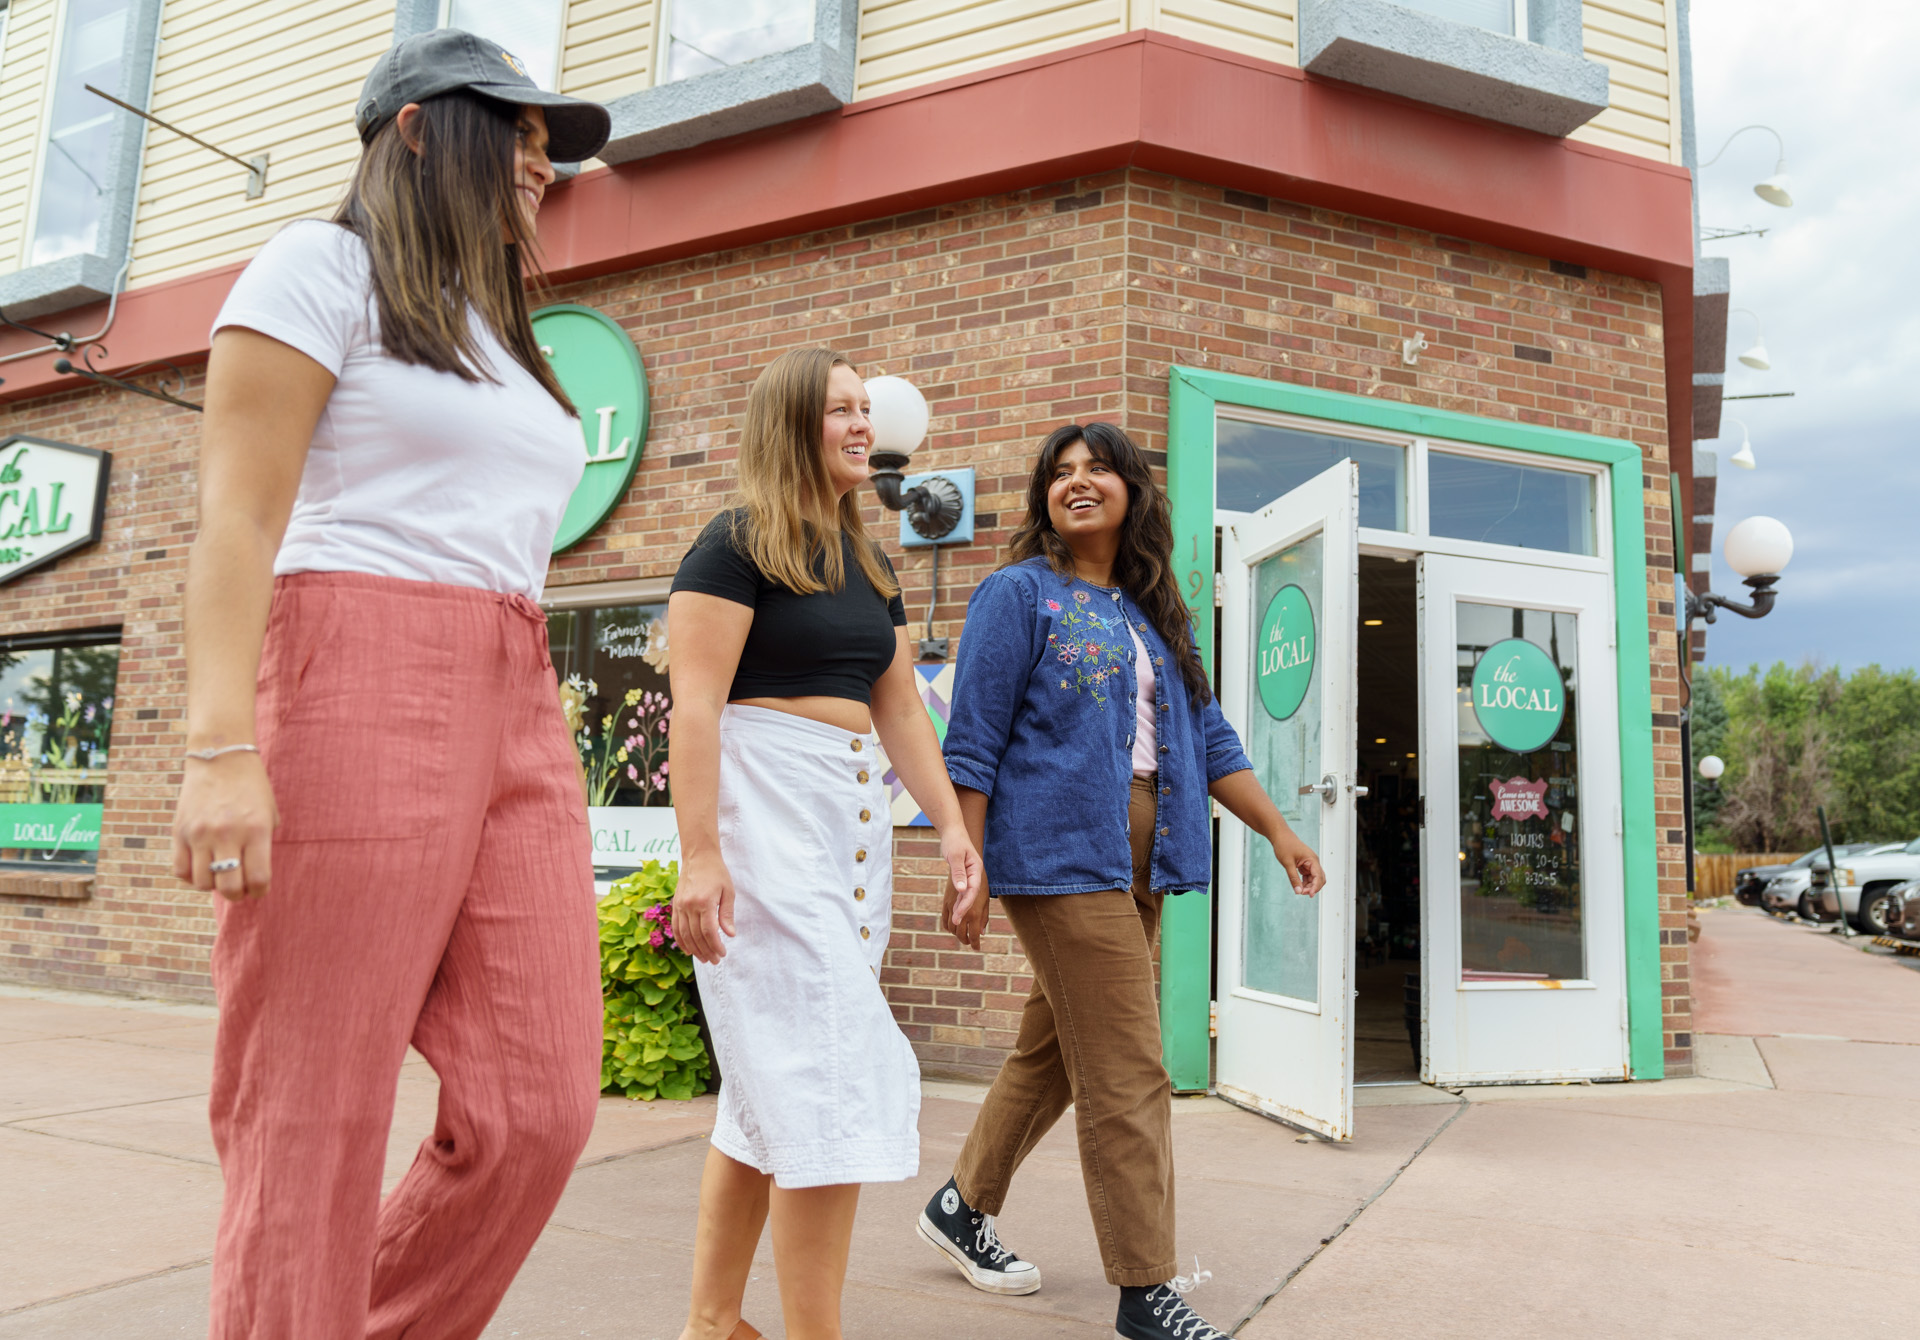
{"points": [[1711, 767], [1758, 547], [900, 417]]}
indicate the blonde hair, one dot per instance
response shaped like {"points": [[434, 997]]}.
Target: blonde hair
{"points": [[783, 480]]}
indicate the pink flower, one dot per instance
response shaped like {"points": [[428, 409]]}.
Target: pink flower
{"points": [[1054, 605], [633, 773], [1082, 597], [656, 939], [1093, 648]]}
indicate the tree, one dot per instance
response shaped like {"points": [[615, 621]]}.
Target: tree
{"points": [[1876, 731], [1779, 755], [1707, 734]]}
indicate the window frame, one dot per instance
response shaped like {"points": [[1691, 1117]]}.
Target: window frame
{"points": [[443, 20], [89, 276], [68, 639]]}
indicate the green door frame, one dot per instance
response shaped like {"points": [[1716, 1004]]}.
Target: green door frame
{"points": [[1194, 395]]}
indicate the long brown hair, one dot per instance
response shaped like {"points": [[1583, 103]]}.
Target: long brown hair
{"points": [[794, 533], [431, 221], [1144, 565]]}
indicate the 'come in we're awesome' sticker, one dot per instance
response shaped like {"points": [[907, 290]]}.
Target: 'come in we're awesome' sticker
{"points": [[1283, 657], [600, 371], [1518, 695]]}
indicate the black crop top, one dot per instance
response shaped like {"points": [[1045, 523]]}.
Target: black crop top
{"points": [[833, 644]]}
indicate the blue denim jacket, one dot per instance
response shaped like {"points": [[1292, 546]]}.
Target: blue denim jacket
{"points": [[1043, 721]]}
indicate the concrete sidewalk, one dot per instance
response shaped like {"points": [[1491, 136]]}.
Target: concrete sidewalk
{"points": [[1760, 1198]]}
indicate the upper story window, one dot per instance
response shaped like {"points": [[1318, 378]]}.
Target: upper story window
{"points": [[707, 35], [76, 171], [1500, 16], [530, 29]]}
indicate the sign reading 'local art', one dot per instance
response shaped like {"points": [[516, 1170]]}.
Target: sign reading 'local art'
{"points": [[53, 497], [1518, 695], [1283, 663], [600, 371]]}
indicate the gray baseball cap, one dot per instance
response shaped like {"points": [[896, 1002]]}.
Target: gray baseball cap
{"points": [[427, 64]]}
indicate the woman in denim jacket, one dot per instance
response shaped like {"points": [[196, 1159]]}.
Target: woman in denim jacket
{"points": [[1084, 745]]}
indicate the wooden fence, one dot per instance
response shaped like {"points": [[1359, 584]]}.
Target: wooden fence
{"points": [[1713, 875]]}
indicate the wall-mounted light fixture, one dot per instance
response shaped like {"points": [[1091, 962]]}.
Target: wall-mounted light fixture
{"points": [[1759, 549], [1775, 190], [1755, 357], [934, 506], [1743, 457]]}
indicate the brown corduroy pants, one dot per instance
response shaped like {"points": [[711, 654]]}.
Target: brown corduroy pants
{"points": [[1090, 1037]]}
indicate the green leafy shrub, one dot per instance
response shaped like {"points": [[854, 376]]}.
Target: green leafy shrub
{"points": [[653, 1046]]}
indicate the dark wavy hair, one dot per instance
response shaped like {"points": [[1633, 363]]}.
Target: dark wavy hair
{"points": [[1144, 565]]}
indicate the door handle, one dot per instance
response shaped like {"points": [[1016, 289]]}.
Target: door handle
{"points": [[1358, 791], [1327, 789]]}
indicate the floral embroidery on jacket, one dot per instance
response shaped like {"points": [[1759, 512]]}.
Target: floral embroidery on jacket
{"points": [[1074, 645]]}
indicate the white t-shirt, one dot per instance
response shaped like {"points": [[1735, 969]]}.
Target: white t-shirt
{"points": [[1144, 739], [412, 473]]}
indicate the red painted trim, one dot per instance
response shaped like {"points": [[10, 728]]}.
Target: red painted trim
{"points": [[1144, 99]]}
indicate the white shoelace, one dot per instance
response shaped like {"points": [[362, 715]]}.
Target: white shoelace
{"points": [[987, 1242], [1183, 1321]]}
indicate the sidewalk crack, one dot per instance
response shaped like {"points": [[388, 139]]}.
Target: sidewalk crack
{"points": [[1350, 1220]]}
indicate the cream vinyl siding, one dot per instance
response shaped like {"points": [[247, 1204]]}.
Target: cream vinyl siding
{"points": [[904, 43], [23, 90], [609, 48], [1260, 28], [1635, 40], [250, 77]]}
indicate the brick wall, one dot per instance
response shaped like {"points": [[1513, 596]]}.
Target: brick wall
{"points": [[1013, 313]]}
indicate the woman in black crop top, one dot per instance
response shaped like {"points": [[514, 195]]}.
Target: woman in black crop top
{"points": [[789, 652]]}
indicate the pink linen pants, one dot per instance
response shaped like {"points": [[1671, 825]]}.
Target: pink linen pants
{"points": [[432, 884]]}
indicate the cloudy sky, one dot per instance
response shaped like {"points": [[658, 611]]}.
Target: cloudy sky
{"points": [[1837, 282]]}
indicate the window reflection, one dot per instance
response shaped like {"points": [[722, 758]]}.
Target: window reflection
{"points": [[1495, 15], [708, 35], [1255, 463], [75, 178], [529, 29], [1493, 502], [612, 664], [56, 723]]}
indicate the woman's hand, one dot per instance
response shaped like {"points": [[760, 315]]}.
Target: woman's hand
{"points": [[965, 904], [1297, 859], [968, 922], [225, 812], [703, 908]]}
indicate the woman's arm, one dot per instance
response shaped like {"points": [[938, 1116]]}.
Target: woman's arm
{"points": [[1241, 794], [707, 635], [263, 400], [914, 750]]}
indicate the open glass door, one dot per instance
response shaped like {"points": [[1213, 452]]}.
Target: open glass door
{"points": [[1289, 593], [1524, 959]]}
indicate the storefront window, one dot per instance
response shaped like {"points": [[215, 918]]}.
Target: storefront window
{"points": [[1494, 502], [1521, 910], [56, 722], [1496, 15], [530, 29], [1255, 463], [612, 663], [75, 175], [708, 35]]}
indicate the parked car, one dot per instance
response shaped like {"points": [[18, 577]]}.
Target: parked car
{"points": [[1864, 881], [1780, 892], [1903, 910]]}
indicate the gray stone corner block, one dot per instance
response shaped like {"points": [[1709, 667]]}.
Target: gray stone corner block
{"points": [[1705, 464], [1712, 284], [1709, 388], [1544, 85], [56, 286]]}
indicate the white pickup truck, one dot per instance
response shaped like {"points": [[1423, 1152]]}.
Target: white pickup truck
{"points": [[1865, 881]]}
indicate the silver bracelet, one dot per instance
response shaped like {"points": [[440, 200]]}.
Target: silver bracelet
{"points": [[209, 755]]}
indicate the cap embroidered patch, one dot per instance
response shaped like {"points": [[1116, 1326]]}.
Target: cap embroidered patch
{"points": [[518, 68]]}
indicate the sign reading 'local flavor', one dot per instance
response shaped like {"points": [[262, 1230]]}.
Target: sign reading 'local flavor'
{"points": [[52, 499], [1518, 695], [600, 371], [1283, 664]]}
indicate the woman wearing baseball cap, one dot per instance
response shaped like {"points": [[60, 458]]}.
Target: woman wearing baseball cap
{"points": [[378, 779]]}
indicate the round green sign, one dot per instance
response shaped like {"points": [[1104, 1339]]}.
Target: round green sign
{"points": [[1518, 695], [1283, 656], [600, 371]]}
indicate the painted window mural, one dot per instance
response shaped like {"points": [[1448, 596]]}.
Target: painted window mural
{"points": [[56, 724], [612, 663]]}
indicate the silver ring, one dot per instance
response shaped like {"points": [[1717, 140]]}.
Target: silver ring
{"points": [[221, 867]]}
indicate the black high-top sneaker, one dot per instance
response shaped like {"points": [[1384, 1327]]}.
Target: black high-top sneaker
{"points": [[1160, 1313], [966, 1237]]}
